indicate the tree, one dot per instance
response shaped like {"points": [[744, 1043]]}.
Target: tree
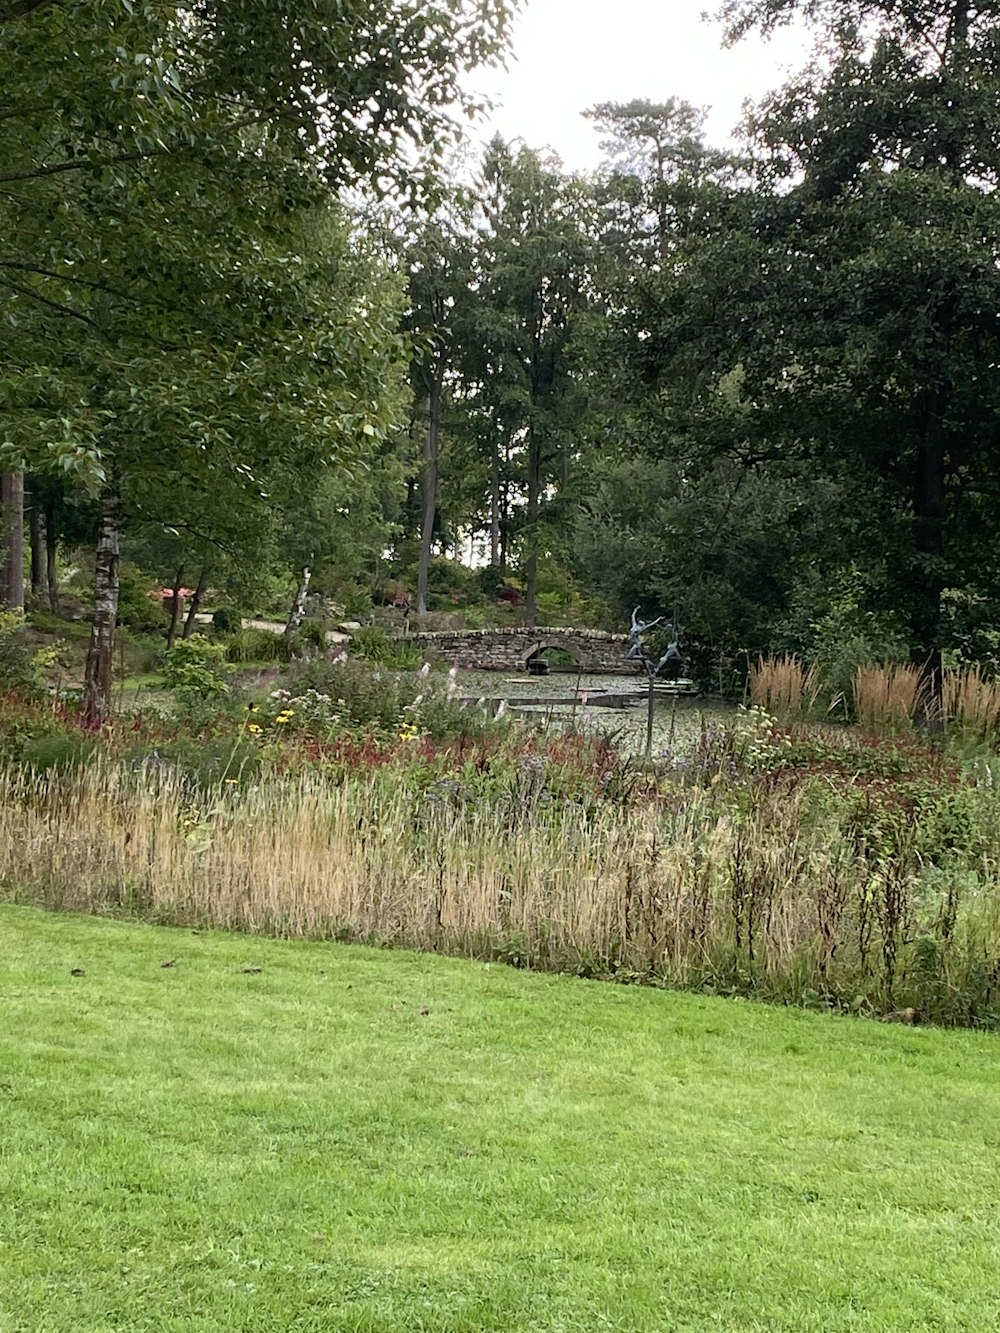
{"points": [[173, 279], [675, 517], [854, 288], [532, 262], [654, 174], [438, 259]]}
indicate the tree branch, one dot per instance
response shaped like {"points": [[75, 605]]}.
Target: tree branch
{"points": [[12, 112], [54, 305], [67, 277], [198, 533], [83, 164]]}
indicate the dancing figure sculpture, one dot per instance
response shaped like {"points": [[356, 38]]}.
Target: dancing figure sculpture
{"points": [[635, 651]]}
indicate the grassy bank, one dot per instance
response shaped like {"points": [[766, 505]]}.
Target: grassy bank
{"points": [[353, 1140]]}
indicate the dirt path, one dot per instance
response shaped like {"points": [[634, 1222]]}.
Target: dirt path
{"points": [[275, 626]]}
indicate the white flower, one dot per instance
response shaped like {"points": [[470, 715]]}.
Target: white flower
{"points": [[425, 670]]}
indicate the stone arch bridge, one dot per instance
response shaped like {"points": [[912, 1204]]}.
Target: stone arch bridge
{"points": [[512, 649]]}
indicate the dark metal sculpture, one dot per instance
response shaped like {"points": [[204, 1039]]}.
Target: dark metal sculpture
{"points": [[635, 651]]}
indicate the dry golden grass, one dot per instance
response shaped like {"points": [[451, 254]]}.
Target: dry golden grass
{"points": [[305, 857], [680, 886], [971, 702], [784, 687], [888, 697]]}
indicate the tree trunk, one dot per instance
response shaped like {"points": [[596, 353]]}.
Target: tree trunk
{"points": [[531, 515], [505, 510], [494, 503], [51, 551], [36, 530], [12, 518], [429, 484], [100, 655], [298, 611], [930, 503], [175, 608], [190, 623]]}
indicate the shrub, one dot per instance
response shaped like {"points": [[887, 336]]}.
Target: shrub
{"points": [[365, 697], [143, 652], [355, 599], [490, 580], [56, 750], [226, 620], [41, 737], [450, 581], [195, 668], [310, 634], [257, 645], [374, 645], [834, 623], [18, 668], [361, 697]]}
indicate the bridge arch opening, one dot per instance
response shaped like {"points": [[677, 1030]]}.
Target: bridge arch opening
{"points": [[545, 657]]}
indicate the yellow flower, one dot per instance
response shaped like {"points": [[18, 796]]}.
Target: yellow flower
{"points": [[282, 718], [254, 728]]}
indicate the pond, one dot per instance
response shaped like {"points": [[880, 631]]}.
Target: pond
{"points": [[562, 698]]}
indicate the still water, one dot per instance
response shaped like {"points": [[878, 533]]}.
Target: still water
{"points": [[563, 698]]}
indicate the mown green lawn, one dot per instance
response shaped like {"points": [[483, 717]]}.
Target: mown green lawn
{"points": [[356, 1140]]}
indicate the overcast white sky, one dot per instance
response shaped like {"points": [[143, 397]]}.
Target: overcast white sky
{"points": [[570, 54]]}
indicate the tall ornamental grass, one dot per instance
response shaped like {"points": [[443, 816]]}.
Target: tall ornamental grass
{"points": [[971, 703], [774, 885], [888, 697], [785, 687]]}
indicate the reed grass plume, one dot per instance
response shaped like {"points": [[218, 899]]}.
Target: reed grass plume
{"points": [[971, 702], [784, 686], [888, 697]]}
